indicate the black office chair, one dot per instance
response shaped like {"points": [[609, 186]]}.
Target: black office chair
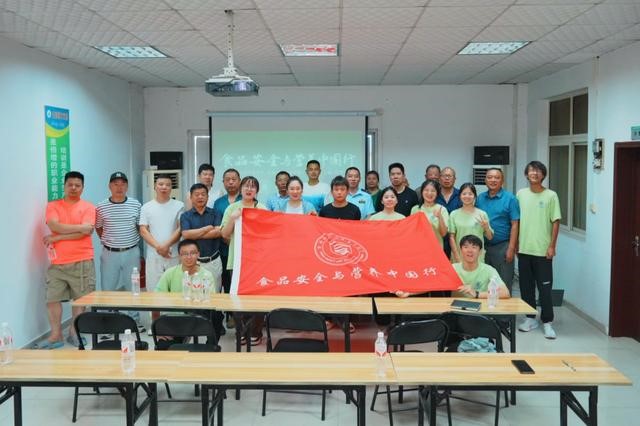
{"points": [[467, 325], [412, 333], [301, 321], [112, 323], [176, 329]]}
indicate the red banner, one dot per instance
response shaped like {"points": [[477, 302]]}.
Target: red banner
{"points": [[290, 254]]}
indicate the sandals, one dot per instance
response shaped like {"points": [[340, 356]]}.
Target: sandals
{"points": [[72, 339], [47, 345]]}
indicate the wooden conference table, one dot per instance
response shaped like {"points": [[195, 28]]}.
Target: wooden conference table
{"points": [[506, 308], [65, 368], [351, 372], [342, 307], [564, 373]]}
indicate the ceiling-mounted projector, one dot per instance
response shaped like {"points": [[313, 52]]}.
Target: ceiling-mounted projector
{"points": [[236, 85], [230, 83]]}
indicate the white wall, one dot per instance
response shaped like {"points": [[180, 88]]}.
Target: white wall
{"points": [[106, 120], [583, 264], [419, 124]]}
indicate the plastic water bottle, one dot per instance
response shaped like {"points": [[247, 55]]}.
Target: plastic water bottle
{"points": [[186, 286], [135, 282], [128, 352], [381, 353], [6, 344], [492, 298]]}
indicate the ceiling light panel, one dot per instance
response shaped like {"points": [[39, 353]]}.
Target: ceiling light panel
{"points": [[492, 48], [131, 51]]}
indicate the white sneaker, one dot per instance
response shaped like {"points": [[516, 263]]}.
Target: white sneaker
{"points": [[548, 331], [528, 324]]}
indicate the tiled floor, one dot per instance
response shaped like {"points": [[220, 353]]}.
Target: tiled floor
{"points": [[617, 405]]}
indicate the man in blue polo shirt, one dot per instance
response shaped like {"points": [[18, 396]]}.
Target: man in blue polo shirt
{"points": [[202, 224], [504, 217]]}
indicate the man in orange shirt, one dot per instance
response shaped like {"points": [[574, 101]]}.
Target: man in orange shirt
{"points": [[72, 273]]}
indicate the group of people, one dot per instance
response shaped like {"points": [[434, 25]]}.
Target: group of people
{"points": [[480, 233]]}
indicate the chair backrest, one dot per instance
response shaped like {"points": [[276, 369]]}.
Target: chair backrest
{"points": [[474, 325], [105, 323], [296, 320], [183, 326], [417, 332]]}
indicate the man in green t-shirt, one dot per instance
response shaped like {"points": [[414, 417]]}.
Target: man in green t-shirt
{"points": [[476, 275], [171, 279], [539, 226]]}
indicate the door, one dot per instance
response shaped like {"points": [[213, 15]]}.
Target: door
{"points": [[624, 316]]}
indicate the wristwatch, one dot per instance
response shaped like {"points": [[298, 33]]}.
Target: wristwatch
{"points": [[477, 294]]}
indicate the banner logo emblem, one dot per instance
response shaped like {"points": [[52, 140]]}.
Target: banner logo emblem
{"points": [[336, 250]]}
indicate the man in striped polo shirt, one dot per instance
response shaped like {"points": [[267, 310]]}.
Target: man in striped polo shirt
{"points": [[117, 226]]}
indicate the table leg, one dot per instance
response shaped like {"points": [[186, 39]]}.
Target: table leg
{"points": [[593, 407], [129, 403], [17, 405], [563, 409], [204, 401], [512, 347], [153, 407], [433, 404], [421, 405], [240, 330], [361, 399], [219, 401], [347, 333], [94, 337]]}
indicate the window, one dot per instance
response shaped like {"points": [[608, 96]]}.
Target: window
{"points": [[568, 158]]}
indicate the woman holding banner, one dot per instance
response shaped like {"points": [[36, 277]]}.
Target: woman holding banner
{"points": [[436, 214], [294, 203], [389, 199], [249, 187]]}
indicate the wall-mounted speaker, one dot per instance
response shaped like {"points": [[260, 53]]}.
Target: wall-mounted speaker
{"points": [[166, 160]]}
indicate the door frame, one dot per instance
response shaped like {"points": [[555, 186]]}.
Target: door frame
{"points": [[621, 254]]}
